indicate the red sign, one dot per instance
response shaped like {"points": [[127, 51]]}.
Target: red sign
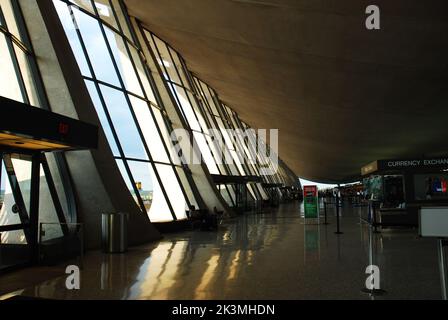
{"points": [[63, 128], [310, 191]]}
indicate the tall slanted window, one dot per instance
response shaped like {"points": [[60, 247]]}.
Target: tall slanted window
{"points": [[128, 105]]}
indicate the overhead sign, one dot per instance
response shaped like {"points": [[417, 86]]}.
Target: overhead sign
{"points": [[31, 127], [371, 167], [311, 205], [407, 164]]}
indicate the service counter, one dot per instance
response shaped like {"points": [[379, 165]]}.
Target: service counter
{"points": [[397, 189]]}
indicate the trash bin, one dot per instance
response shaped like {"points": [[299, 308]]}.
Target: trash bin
{"points": [[115, 232]]}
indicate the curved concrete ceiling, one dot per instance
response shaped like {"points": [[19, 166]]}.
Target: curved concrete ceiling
{"points": [[341, 96]]}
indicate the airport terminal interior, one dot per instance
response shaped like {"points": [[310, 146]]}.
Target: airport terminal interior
{"points": [[228, 149]]}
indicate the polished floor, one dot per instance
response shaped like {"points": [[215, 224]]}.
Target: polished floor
{"points": [[273, 255]]}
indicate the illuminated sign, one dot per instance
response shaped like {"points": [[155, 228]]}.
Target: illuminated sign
{"points": [[311, 205], [371, 167], [404, 164], [63, 128]]}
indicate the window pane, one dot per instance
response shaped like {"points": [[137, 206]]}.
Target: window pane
{"points": [[205, 94], [47, 211], [180, 68], [130, 185], [102, 116], [237, 161], [123, 123], [70, 31], [201, 119], [155, 203], [251, 191], [27, 76], [85, 4], [22, 169], [105, 12], [58, 181], [210, 117], [185, 183], [165, 61], [149, 190], [149, 130], [166, 134], [186, 107], [173, 190], [124, 64], [262, 192], [9, 17], [228, 140], [96, 47], [207, 157], [12, 237], [9, 87], [225, 194], [231, 190], [7, 216], [218, 153], [126, 178], [121, 18], [233, 169], [142, 74]]}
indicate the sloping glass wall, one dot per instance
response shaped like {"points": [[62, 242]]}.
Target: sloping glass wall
{"points": [[213, 125], [135, 122], [128, 106]]}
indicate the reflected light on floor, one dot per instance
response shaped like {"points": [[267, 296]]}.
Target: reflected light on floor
{"points": [[158, 273], [235, 265], [200, 292]]}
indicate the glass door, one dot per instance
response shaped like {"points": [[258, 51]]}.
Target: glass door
{"points": [[15, 195], [34, 224]]}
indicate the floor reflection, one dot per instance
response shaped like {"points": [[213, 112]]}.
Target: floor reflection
{"points": [[311, 243], [273, 255]]}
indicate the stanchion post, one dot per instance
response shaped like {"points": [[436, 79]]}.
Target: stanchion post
{"points": [[372, 261], [338, 231], [375, 227], [325, 211], [442, 268]]}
